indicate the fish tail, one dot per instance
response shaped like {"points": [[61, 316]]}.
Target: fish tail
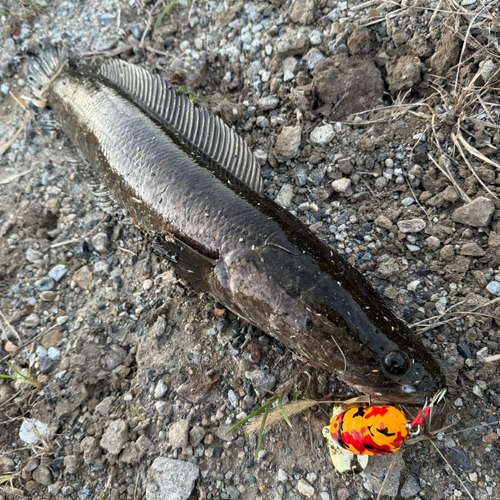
{"points": [[45, 65]]}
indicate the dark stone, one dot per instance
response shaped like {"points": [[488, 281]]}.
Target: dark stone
{"points": [[464, 349], [460, 458], [46, 365]]}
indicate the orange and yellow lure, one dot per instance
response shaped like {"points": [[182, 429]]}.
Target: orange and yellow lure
{"points": [[359, 432]]}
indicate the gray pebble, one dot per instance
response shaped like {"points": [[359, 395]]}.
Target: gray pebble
{"points": [[493, 287], [233, 399], [460, 458], [46, 365], [84, 494], [45, 284], [322, 135], [282, 476], [301, 178], [54, 354], [412, 225], [410, 488], [268, 103], [285, 196], [171, 479], [101, 242], [261, 379], [160, 389], [178, 434]]}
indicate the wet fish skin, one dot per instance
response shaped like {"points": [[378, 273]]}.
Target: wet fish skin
{"points": [[249, 253]]}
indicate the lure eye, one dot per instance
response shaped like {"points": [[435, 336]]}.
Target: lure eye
{"points": [[396, 363]]}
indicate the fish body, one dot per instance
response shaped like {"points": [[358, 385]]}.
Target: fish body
{"points": [[191, 182]]}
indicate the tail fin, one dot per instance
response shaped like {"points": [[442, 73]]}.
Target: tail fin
{"points": [[45, 64]]}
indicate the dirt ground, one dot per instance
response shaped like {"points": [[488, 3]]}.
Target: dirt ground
{"points": [[377, 125]]}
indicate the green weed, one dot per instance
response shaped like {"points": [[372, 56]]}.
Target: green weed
{"points": [[164, 12], [21, 376]]}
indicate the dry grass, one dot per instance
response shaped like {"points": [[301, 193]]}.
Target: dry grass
{"points": [[464, 108]]}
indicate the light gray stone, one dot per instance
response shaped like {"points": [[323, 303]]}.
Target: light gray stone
{"points": [[412, 225], [285, 196], [322, 135], [101, 242], [170, 479], [261, 379], [115, 437], [178, 434], [31, 431]]}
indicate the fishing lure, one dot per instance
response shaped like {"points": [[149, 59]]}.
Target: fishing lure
{"points": [[356, 433]]}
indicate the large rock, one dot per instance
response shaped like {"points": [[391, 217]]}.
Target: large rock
{"points": [[354, 81], [170, 479], [478, 213]]}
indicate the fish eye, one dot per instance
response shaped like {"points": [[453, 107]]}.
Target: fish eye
{"points": [[396, 363]]}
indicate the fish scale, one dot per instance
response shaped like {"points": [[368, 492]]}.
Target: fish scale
{"points": [[190, 181]]}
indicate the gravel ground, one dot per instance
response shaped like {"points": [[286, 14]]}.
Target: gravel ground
{"points": [[140, 377]]}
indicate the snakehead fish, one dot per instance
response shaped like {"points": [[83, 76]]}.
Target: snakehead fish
{"points": [[192, 182]]}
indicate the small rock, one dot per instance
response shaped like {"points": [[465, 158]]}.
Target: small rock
{"points": [[305, 488], [32, 321], [341, 185], [42, 475], [160, 389], [375, 473], [464, 349], [31, 429], [447, 253], [268, 103], [196, 435], [383, 222], [261, 379], [54, 354], [343, 494], [282, 476], [476, 214], [44, 284], [287, 144], [48, 296], [83, 277], [432, 243], [460, 458], [285, 196], [115, 437], [410, 488], [101, 242], [322, 135], [472, 250], [178, 434], [233, 492], [493, 287], [233, 399], [411, 225], [33, 255], [71, 463], [303, 12], [105, 406], [494, 240], [58, 272], [46, 365], [170, 479], [50, 339], [6, 465]]}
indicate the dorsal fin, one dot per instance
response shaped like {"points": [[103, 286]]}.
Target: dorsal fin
{"points": [[203, 133]]}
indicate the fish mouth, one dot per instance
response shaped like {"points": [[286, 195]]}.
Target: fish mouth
{"points": [[407, 394]]}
